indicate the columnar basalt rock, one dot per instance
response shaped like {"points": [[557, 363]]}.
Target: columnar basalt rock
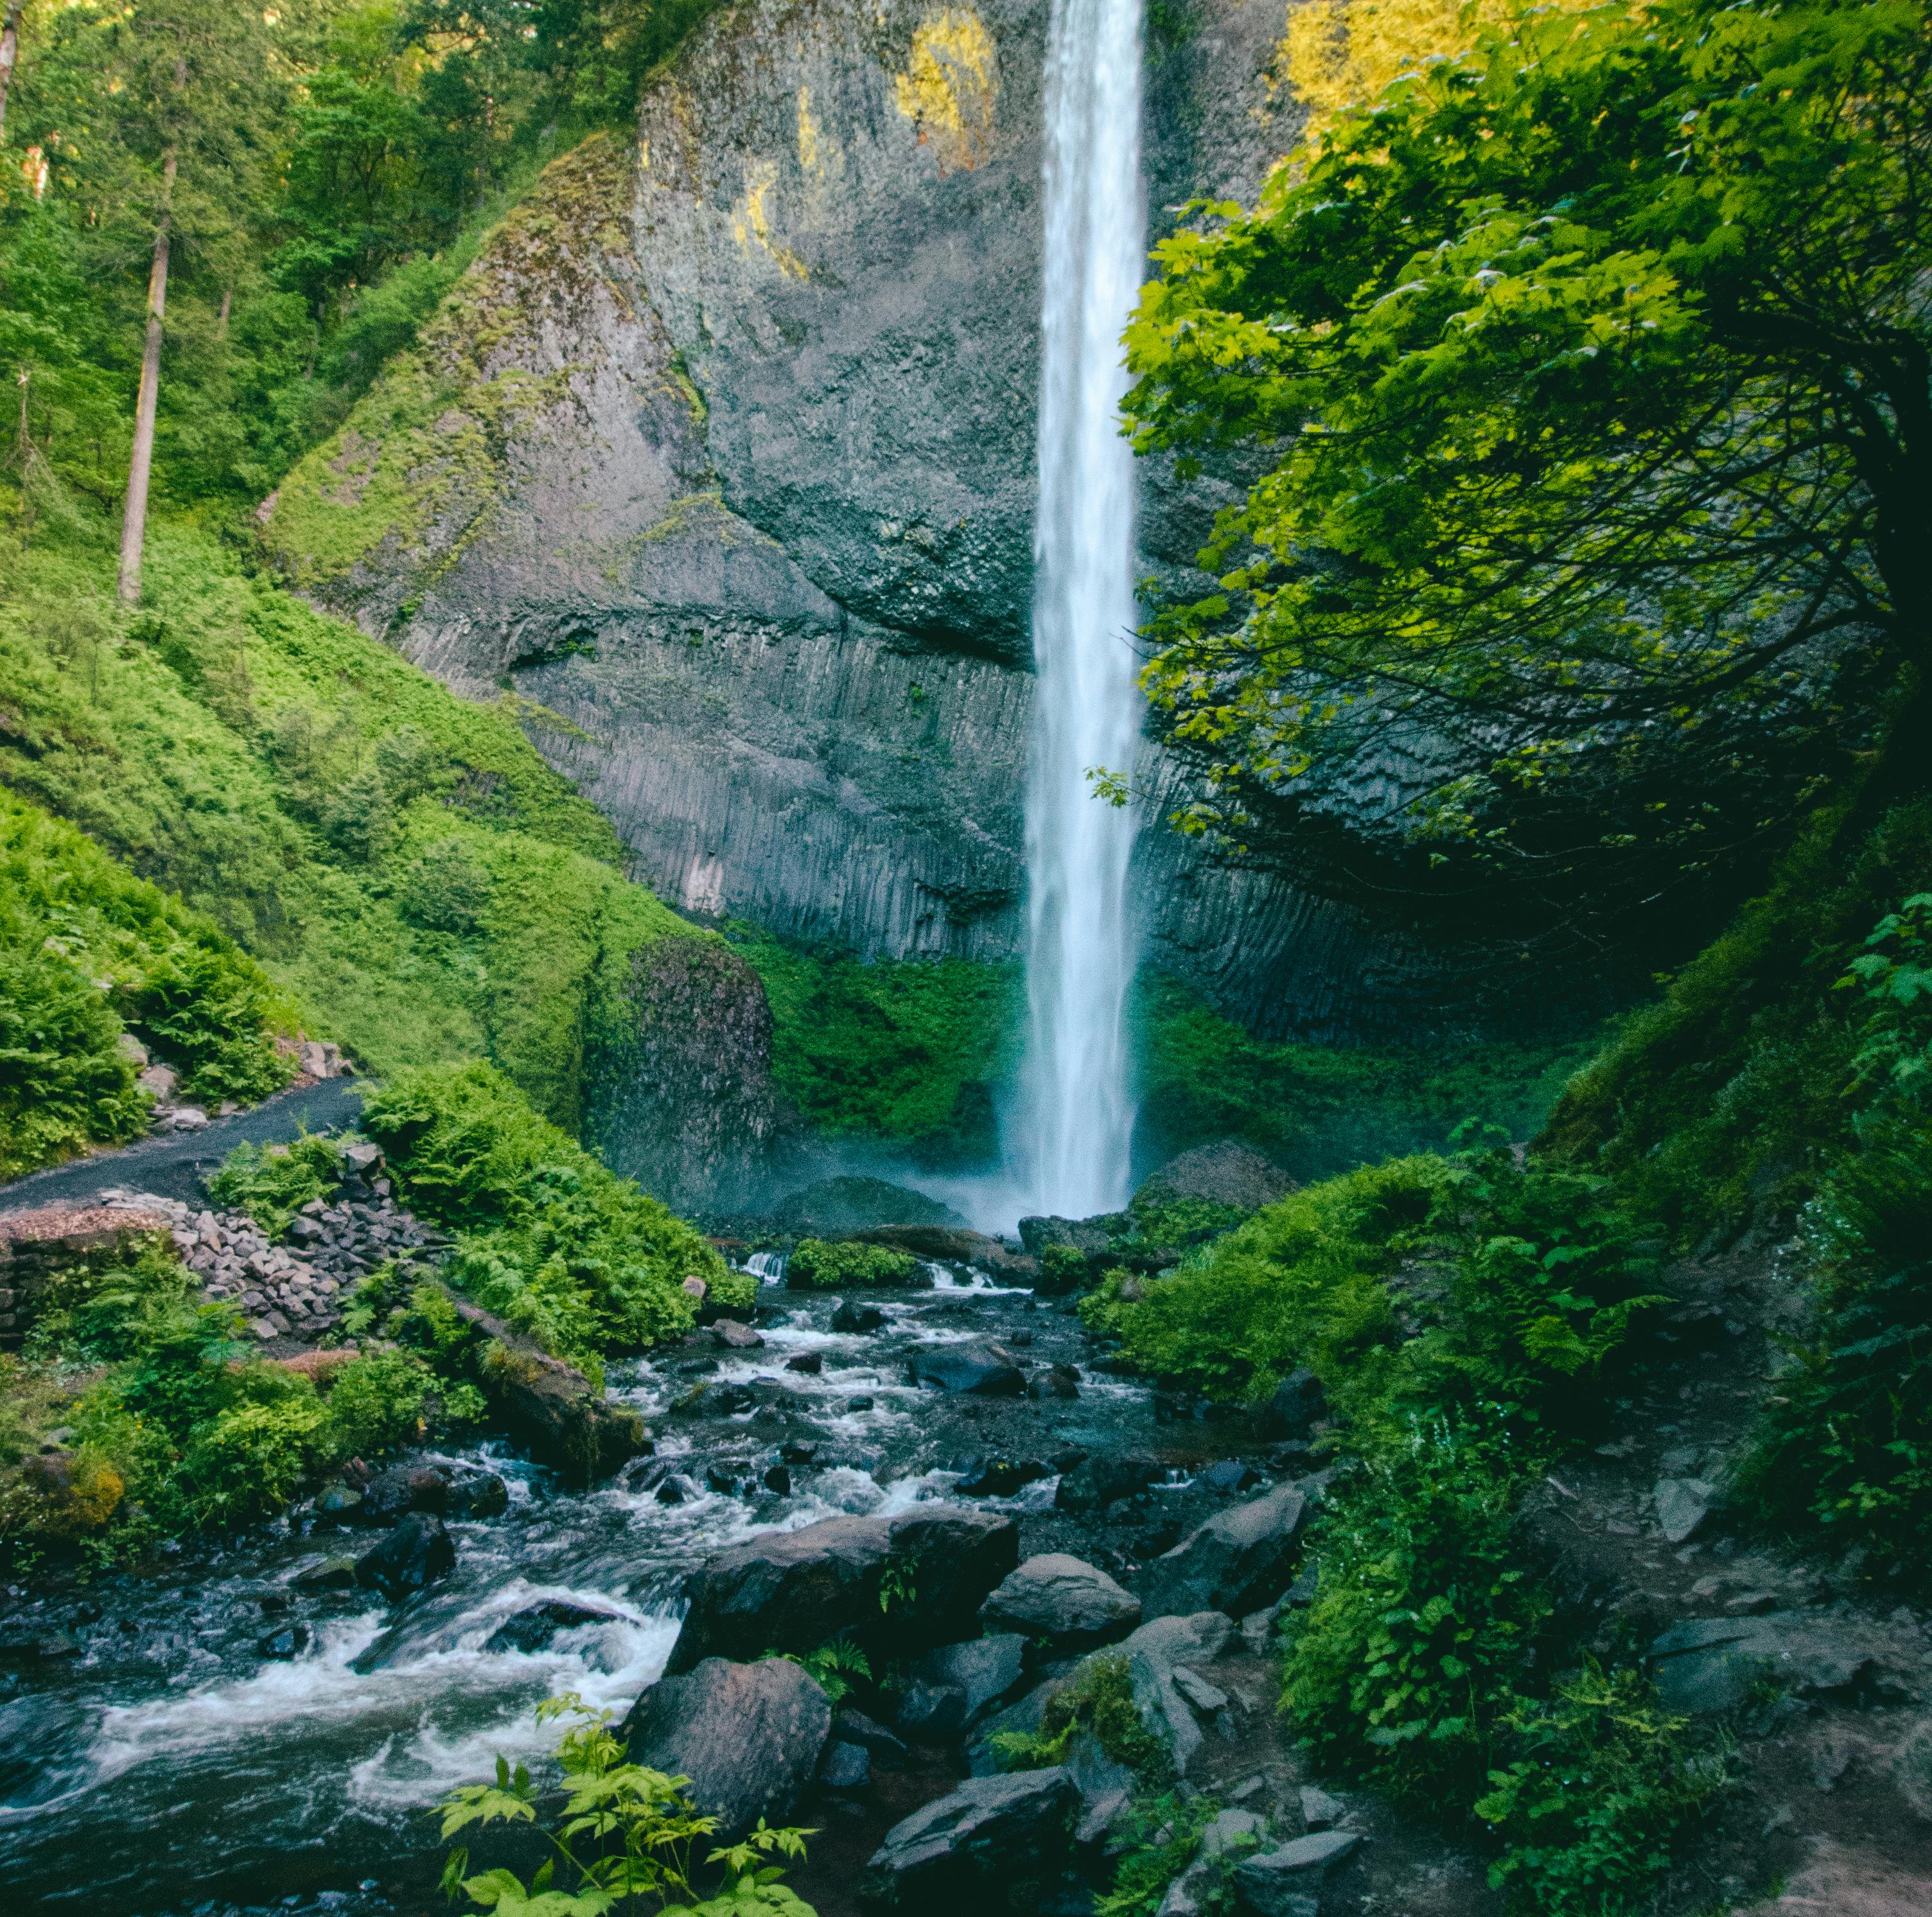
{"points": [[724, 454]]}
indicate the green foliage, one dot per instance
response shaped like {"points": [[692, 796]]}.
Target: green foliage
{"points": [[1545, 346], [547, 1238], [1403, 1670], [820, 1266], [1893, 1060], [627, 1838], [273, 1182], [1301, 1283], [376, 1402], [1595, 1805], [1099, 1697], [88, 952], [836, 1668], [336, 167], [401, 861], [1319, 1109], [907, 1052], [1159, 1837], [1728, 1097], [247, 1462]]}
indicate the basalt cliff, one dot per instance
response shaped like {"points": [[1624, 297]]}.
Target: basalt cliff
{"points": [[722, 459]]}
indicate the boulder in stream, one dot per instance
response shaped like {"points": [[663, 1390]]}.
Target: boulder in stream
{"points": [[1094, 1483], [748, 1737], [1239, 1561], [409, 1560], [533, 1627], [853, 1320], [982, 1371], [895, 1584], [566, 1420]]}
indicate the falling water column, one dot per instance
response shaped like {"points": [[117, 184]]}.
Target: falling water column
{"points": [[1077, 1113]]}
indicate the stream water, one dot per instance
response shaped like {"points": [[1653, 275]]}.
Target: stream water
{"points": [[1076, 1112], [166, 1764]]}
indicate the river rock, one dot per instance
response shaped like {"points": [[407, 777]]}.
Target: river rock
{"points": [[533, 1627], [476, 1495], [1299, 1403], [551, 1407], [1287, 1882], [748, 1737], [999, 1477], [1105, 1785], [405, 1488], [291, 1640], [409, 1559], [844, 1768], [951, 1688], [1155, 1654], [736, 1337], [989, 1845], [1098, 1482], [984, 1756], [853, 1320], [1238, 1562], [1063, 1599], [793, 1591], [888, 1752], [981, 1371], [325, 1574], [1682, 1504], [1226, 1173]]}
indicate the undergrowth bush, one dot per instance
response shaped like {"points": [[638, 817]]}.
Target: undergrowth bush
{"points": [[273, 1182], [821, 1266], [1099, 1699], [547, 1238], [1403, 1670], [1595, 1805], [88, 952]]}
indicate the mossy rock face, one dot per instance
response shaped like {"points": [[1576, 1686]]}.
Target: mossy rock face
{"points": [[723, 453]]}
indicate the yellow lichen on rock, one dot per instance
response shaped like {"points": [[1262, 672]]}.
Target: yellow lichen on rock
{"points": [[810, 160], [948, 87], [751, 224], [1338, 53]]}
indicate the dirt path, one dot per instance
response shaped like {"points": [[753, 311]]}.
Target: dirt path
{"points": [[172, 1165]]}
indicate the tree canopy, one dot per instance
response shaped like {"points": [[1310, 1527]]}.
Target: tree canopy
{"points": [[1589, 373]]}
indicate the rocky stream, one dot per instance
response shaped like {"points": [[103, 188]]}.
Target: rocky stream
{"points": [[253, 1728]]}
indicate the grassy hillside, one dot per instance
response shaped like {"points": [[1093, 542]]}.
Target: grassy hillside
{"points": [[403, 864]]}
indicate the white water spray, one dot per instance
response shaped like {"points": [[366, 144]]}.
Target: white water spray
{"points": [[1078, 1106]]}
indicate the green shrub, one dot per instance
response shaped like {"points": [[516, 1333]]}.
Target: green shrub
{"points": [[1158, 1839], [1405, 1668], [820, 1266], [1099, 1698], [376, 1402], [65, 1082], [1595, 1805], [212, 1011], [273, 1182], [247, 1463], [546, 1235], [1547, 1271], [1300, 1283]]}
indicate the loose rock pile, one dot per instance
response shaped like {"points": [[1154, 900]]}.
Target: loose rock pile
{"points": [[297, 1289]]}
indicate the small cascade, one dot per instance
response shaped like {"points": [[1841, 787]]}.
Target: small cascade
{"points": [[1076, 1117], [768, 1267]]}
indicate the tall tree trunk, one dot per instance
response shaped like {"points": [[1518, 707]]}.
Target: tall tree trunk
{"points": [[134, 524], [10, 50]]}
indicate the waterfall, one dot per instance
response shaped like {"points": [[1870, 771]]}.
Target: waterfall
{"points": [[1077, 1111]]}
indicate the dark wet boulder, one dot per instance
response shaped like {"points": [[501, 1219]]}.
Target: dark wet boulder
{"points": [[1230, 1476], [996, 1843], [1299, 1403], [552, 1407], [853, 1320], [998, 1477], [409, 1560], [1063, 1599], [338, 1503], [1238, 1562], [888, 1752], [949, 1689], [844, 1768], [897, 1585], [1096, 1482], [1287, 1882], [324, 1574], [810, 1363], [405, 1488], [477, 1494], [732, 1336], [980, 1370], [748, 1736], [533, 1627], [291, 1640], [985, 1757], [1054, 1381]]}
